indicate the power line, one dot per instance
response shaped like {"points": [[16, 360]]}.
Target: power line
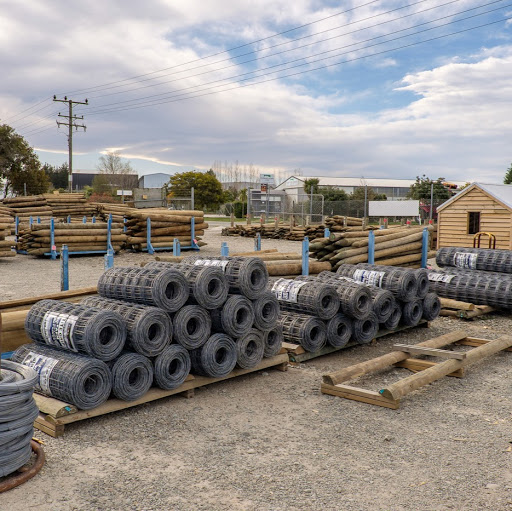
{"points": [[9, 119]]}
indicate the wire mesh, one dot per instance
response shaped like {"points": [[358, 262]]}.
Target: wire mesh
{"points": [[394, 319], [412, 312], [431, 307], [77, 328], [235, 318], [339, 330], [216, 358], [485, 259], [308, 331], [191, 326], [250, 349], [273, 340], [83, 381], [172, 367], [365, 330], [132, 376], [423, 282], [266, 311], [149, 329], [167, 289]]}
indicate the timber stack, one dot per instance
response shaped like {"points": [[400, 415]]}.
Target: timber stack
{"points": [[399, 246], [166, 225], [78, 237], [7, 220], [69, 204], [118, 211], [6, 226], [337, 223], [34, 206], [275, 231]]}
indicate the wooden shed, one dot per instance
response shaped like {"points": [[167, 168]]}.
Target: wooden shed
{"points": [[478, 208]]}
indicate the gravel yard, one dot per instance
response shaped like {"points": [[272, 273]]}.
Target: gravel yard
{"points": [[272, 441]]}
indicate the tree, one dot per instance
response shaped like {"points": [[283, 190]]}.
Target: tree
{"points": [[208, 193], [58, 176], [311, 185], [113, 165], [19, 165], [508, 176], [359, 194], [332, 195], [421, 189]]}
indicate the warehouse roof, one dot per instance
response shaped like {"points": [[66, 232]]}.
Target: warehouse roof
{"points": [[501, 193]]}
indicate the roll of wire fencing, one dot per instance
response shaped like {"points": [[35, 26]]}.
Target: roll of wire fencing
{"points": [[423, 282], [383, 303], [250, 349], [216, 358], [309, 297], [401, 282], [149, 329], [266, 311], [485, 259], [172, 367], [273, 340], [394, 319], [132, 376], [167, 289], [412, 312], [191, 326], [207, 284], [83, 381], [235, 318], [18, 411], [365, 330], [77, 328], [246, 275], [308, 331], [339, 330], [355, 298], [431, 307]]}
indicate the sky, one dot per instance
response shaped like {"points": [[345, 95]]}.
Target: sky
{"points": [[317, 87]]}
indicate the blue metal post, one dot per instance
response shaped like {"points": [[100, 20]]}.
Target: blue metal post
{"points": [[109, 233], [16, 226], [176, 247], [327, 232], [124, 224], [193, 241], [224, 249], [30, 221], [69, 219], [53, 248], [371, 247], [424, 248], [84, 220], [109, 259], [64, 268], [151, 250], [38, 219], [257, 243], [305, 256], [93, 219]]}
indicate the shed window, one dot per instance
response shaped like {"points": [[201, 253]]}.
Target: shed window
{"points": [[473, 222]]}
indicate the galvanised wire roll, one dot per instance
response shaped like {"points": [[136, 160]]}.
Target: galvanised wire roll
{"points": [[83, 381], [365, 330], [306, 297], [148, 329], [431, 307], [250, 349], [339, 330], [246, 275], [308, 331], [235, 318], [394, 320], [77, 328], [401, 282], [485, 259], [18, 412], [355, 297], [383, 303], [132, 376], [172, 367], [423, 282], [412, 312], [273, 340], [216, 358], [191, 326], [208, 285], [266, 311], [164, 288]]}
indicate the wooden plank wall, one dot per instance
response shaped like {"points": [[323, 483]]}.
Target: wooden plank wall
{"points": [[453, 221]]}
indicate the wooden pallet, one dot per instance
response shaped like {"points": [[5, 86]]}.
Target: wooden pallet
{"points": [[298, 354], [55, 414], [463, 310], [427, 371]]}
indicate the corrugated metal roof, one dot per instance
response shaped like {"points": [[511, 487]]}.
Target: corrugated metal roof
{"points": [[502, 193]]}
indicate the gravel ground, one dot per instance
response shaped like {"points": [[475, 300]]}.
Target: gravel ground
{"points": [[272, 441]]}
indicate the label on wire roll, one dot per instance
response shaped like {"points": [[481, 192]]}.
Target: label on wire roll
{"points": [[440, 277], [370, 277], [211, 262], [465, 260], [287, 290], [57, 329], [43, 366]]}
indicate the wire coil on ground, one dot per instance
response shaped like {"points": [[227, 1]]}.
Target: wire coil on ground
{"points": [[216, 358], [250, 349], [164, 288], [191, 326], [77, 379], [235, 318], [383, 303], [132, 376], [172, 367], [339, 331], [149, 329], [485, 259], [431, 307], [365, 330], [412, 312], [266, 311], [308, 331], [394, 319], [77, 328], [273, 340], [423, 282]]}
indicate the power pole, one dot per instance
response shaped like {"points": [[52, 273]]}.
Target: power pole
{"points": [[70, 124]]}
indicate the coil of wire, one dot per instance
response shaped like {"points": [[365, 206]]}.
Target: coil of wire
{"points": [[172, 367], [339, 330], [164, 288], [216, 358], [364, 330], [266, 311], [132, 376], [250, 349], [308, 331], [191, 326], [77, 328], [83, 381], [149, 329], [485, 259], [18, 411], [431, 307], [394, 319], [273, 340], [412, 312], [235, 318]]}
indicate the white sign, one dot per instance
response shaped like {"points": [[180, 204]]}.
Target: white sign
{"points": [[387, 208], [124, 192], [267, 179]]}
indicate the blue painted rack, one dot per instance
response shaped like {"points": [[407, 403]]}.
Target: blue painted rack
{"points": [[176, 246]]}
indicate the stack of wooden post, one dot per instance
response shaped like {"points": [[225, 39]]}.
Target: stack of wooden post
{"points": [[118, 211], [166, 225], [337, 222], [275, 231], [78, 237], [69, 204], [7, 219], [28, 206], [6, 227], [400, 246]]}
